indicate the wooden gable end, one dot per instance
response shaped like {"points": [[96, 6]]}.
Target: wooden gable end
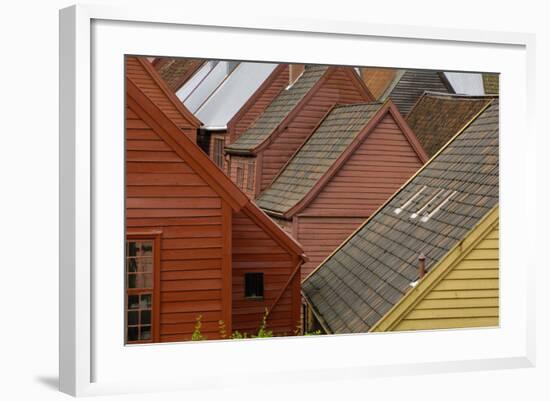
{"points": [[339, 85], [256, 251], [144, 76], [175, 192], [372, 173]]}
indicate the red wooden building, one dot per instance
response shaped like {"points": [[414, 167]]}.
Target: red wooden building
{"points": [[355, 158], [259, 153], [196, 244]]}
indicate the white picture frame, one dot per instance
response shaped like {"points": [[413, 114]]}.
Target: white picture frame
{"points": [[93, 40]]}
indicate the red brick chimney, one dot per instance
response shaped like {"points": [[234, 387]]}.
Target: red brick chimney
{"points": [[294, 72]]}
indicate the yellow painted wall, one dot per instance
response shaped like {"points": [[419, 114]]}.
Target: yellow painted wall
{"points": [[463, 293]]}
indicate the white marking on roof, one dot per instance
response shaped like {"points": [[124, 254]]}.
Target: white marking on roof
{"points": [[411, 199]]}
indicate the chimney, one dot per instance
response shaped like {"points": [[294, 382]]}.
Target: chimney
{"points": [[421, 266], [294, 72]]}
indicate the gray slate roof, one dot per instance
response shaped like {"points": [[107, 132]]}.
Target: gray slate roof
{"points": [[335, 133], [277, 111], [372, 270], [409, 85]]}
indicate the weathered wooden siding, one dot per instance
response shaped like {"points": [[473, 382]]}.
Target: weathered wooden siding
{"points": [[252, 111], [337, 87], [377, 168], [143, 80], [468, 296], [320, 236], [164, 193], [255, 251], [248, 166]]}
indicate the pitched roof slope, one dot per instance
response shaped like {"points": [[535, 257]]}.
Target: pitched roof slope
{"points": [[409, 85], [152, 109], [339, 128], [176, 71], [372, 270], [436, 117], [278, 110], [378, 79]]}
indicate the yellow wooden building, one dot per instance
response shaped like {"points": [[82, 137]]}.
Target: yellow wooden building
{"points": [[460, 291]]}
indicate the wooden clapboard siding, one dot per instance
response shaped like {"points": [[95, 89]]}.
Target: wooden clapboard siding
{"points": [[336, 88], [462, 290], [375, 170], [256, 251], [320, 236], [165, 193], [176, 193], [252, 109]]}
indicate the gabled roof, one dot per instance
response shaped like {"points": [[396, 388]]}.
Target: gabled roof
{"points": [[154, 114], [278, 110], [408, 85], [372, 270], [327, 148], [438, 273], [436, 117], [220, 107], [176, 71]]}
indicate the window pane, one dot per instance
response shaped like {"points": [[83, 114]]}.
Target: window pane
{"points": [[145, 301], [145, 333], [253, 285], [132, 248], [143, 264], [132, 281], [133, 302], [147, 280], [133, 318], [146, 317], [133, 334], [131, 265], [146, 248]]}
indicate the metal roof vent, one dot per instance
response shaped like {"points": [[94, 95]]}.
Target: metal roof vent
{"points": [[428, 205], [411, 199], [428, 216]]}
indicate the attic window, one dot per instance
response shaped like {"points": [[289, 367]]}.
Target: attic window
{"points": [[253, 285], [428, 216]]}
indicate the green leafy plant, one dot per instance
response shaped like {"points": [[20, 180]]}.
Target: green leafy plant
{"points": [[313, 333], [237, 335], [223, 332], [263, 332], [197, 335]]}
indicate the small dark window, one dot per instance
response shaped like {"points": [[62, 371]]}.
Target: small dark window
{"points": [[253, 285]]}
